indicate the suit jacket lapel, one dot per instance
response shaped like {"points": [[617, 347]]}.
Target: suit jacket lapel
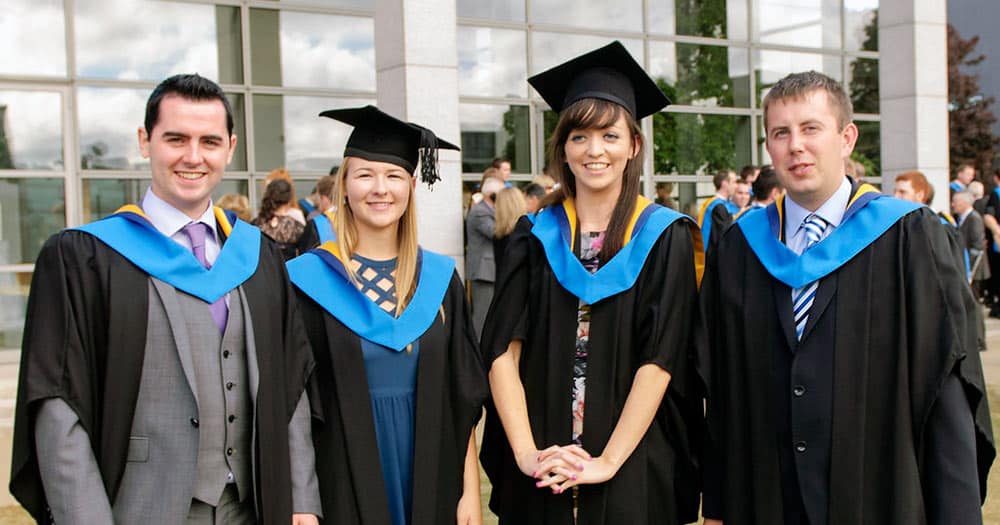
{"points": [[178, 327], [783, 303]]}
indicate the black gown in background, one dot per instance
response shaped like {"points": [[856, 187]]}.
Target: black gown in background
{"points": [[651, 322]]}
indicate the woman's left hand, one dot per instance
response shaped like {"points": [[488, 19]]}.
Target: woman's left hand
{"points": [[470, 510], [598, 470]]}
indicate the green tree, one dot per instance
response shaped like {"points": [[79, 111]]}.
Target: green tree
{"points": [[970, 119]]}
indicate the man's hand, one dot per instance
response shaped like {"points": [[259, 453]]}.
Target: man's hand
{"points": [[304, 519]]}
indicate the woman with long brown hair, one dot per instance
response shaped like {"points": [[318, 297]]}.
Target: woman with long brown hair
{"points": [[594, 417]]}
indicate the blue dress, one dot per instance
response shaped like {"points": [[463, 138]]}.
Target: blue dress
{"points": [[392, 383]]}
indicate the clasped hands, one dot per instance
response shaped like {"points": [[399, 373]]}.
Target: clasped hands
{"points": [[558, 468]]}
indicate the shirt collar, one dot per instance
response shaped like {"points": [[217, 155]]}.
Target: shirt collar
{"points": [[961, 218], [169, 220], [832, 211]]}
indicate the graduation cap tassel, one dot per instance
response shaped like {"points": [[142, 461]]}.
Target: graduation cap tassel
{"points": [[428, 157]]}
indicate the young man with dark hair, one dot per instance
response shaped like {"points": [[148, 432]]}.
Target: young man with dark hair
{"points": [[964, 175], [718, 210], [840, 359], [164, 365], [767, 188]]}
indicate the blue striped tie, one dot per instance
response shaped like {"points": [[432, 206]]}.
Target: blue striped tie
{"points": [[802, 298]]}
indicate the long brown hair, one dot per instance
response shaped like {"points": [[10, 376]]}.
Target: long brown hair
{"points": [[406, 238], [592, 113]]}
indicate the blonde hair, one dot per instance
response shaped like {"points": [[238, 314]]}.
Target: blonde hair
{"points": [[238, 204], [406, 237], [510, 206], [545, 181]]}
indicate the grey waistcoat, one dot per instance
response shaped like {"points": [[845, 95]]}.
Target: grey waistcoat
{"points": [[225, 414]]}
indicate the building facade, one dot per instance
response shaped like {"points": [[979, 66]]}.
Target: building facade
{"points": [[76, 73]]}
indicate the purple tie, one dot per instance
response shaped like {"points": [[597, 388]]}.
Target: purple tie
{"points": [[196, 232]]}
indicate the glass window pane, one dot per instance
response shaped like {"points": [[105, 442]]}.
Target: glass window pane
{"points": [[142, 40], [863, 84], [696, 144], [109, 119], [623, 15], [861, 25], [289, 133], [772, 66], [492, 62], [803, 23], [14, 288], [490, 131], [708, 18], [701, 75], [101, 197], [550, 49], [868, 150], [508, 10], [30, 130], [295, 49], [33, 35], [31, 210]]}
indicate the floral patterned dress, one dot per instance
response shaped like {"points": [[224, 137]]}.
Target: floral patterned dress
{"points": [[590, 246]]}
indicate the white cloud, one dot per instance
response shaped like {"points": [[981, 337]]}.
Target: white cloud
{"points": [[32, 35], [327, 51], [491, 62], [33, 125], [313, 142]]}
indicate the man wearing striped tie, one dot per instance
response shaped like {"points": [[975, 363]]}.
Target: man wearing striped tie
{"points": [[838, 351]]}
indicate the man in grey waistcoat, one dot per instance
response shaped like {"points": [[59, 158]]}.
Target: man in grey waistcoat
{"points": [[164, 365]]}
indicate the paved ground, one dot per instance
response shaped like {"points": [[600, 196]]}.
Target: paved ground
{"points": [[13, 515]]}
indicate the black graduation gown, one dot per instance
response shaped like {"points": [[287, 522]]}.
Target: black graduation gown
{"points": [[451, 388], [309, 238], [84, 342], [886, 330], [651, 322]]}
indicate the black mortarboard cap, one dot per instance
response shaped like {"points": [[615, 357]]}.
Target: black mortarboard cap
{"points": [[608, 73], [381, 137]]}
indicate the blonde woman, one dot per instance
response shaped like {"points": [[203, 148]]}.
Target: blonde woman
{"points": [[510, 206], [393, 346]]}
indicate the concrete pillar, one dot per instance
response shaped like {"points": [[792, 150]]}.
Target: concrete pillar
{"points": [[417, 80], [913, 92]]}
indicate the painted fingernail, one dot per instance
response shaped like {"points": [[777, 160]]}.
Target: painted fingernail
{"points": [[580, 466], [574, 477], [534, 474], [538, 484]]}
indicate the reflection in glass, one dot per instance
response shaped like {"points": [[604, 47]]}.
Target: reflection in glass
{"points": [[772, 66], [490, 131], [624, 14], [863, 84], [804, 23], [696, 144], [861, 25], [14, 288], [550, 49], [701, 75], [868, 150], [30, 130], [296, 49], [109, 119], [33, 37], [506, 10], [142, 40], [31, 210], [708, 18], [288, 132], [491, 62], [101, 197]]}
